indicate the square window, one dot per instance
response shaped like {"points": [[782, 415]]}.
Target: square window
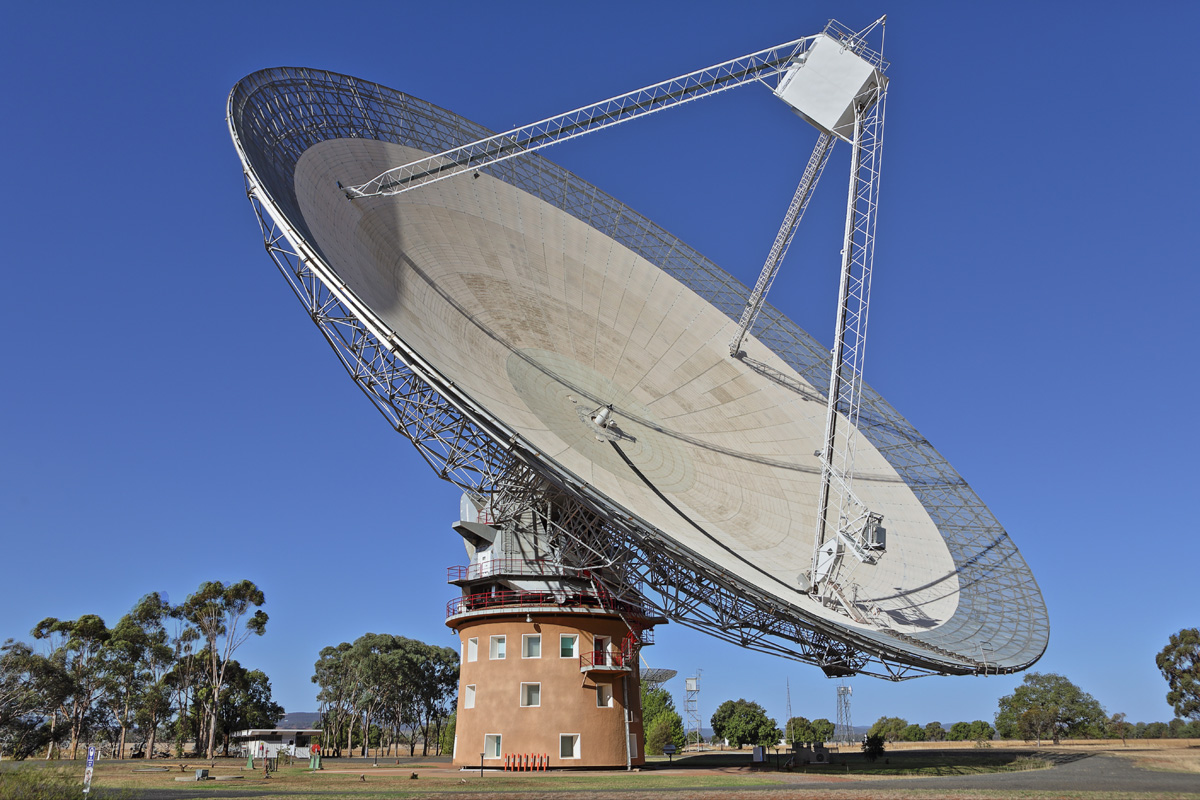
{"points": [[604, 695], [568, 645], [472, 649], [568, 745], [531, 645], [491, 745], [531, 695], [497, 647], [469, 696]]}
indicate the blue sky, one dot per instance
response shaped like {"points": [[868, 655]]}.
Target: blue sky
{"points": [[170, 415]]}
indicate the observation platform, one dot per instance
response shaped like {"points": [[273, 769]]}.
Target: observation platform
{"points": [[460, 575], [517, 603]]}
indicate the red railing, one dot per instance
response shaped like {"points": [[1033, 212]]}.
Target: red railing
{"points": [[611, 659], [491, 600], [504, 566]]}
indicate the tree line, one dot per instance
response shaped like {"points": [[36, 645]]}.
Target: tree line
{"points": [[1046, 706], [385, 691], [661, 723], [162, 670]]}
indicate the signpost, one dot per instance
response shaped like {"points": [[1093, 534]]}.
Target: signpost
{"points": [[669, 752], [87, 773]]}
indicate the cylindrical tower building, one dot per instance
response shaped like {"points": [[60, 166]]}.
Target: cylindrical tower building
{"points": [[549, 671]]}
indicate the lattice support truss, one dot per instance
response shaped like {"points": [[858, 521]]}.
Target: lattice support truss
{"points": [[853, 523], [760, 66], [783, 239]]}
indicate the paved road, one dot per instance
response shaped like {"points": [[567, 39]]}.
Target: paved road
{"points": [[1077, 772]]}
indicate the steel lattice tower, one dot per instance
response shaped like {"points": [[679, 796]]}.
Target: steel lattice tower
{"points": [[787, 723], [692, 708], [844, 732]]}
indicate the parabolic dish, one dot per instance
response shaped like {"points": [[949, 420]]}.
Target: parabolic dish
{"points": [[524, 299]]}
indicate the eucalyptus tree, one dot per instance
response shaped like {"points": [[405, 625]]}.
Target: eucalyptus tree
{"points": [[822, 729], [246, 703], [1047, 705], [141, 656], [222, 615], [180, 679], [76, 647], [798, 729], [399, 684], [438, 689], [31, 688], [1179, 663], [403, 706], [123, 676], [373, 669], [336, 692]]}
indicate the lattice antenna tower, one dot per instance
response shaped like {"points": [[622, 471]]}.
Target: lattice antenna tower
{"points": [[692, 708], [844, 731], [787, 725]]}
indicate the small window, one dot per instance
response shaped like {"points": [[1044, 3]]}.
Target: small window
{"points": [[604, 696], [568, 645], [531, 645], [491, 745], [469, 696], [568, 745], [531, 695], [472, 649], [497, 647]]}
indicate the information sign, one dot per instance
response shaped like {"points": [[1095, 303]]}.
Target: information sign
{"points": [[87, 772]]}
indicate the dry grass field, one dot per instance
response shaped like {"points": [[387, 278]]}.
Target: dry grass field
{"points": [[908, 771]]}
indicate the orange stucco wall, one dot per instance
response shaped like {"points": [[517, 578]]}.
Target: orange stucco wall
{"points": [[568, 702]]}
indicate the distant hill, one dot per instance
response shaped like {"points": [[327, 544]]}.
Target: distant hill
{"points": [[299, 720]]}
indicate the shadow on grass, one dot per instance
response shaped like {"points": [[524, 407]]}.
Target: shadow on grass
{"points": [[904, 762]]}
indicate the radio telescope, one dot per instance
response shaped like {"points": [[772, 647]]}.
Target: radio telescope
{"points": [[556, 354], [655, 677]]}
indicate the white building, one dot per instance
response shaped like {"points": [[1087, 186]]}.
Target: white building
{"points": [[270, 742]]}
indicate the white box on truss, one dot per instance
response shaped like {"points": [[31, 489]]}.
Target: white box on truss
{"points": [[821, 88]]}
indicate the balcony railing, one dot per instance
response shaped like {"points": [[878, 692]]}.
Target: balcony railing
{"points": [[507, 566], [612, 660], [514, 599]]}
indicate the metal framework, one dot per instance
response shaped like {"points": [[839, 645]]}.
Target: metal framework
{"points": [[844, 730], [691, 705], [275, 115], [489, 150], [783, 240], [854, 524]]}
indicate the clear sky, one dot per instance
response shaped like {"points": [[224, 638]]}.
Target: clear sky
{"points": [[170, 415]]}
